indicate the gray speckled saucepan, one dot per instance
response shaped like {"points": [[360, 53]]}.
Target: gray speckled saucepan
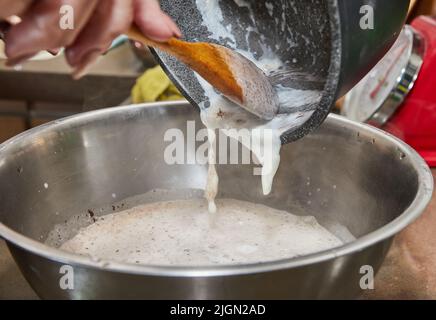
{"points": [[320, 43]]}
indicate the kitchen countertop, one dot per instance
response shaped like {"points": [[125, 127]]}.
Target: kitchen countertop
{"points": [[12, 283], [120, 62], [409, 271], [107, 84]]}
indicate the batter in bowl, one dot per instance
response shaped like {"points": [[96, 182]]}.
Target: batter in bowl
{"points": [[184, 233]]}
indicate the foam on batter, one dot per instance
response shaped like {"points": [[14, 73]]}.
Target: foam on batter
{"points": [[184, 233]]}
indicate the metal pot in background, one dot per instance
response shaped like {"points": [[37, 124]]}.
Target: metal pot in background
{"points": [[360, 177], [326, 38]]}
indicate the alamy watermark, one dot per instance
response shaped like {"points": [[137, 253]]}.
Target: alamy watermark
{"points": [[66, 281], [367, 279], [66, 21], [367, 19], [230, 146]]}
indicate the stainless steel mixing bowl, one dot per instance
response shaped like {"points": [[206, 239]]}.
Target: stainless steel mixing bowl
{"points": [[360, 177]]}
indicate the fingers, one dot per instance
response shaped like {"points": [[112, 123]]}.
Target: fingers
{"points": [[110, 19], [13, 7], [40, 28], [96, 24], [154, 23], [173, 26]]}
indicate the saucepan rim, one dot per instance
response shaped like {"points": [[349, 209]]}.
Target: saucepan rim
{"points": [[423, 197]]}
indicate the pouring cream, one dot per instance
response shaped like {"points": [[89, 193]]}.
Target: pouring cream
{"points": [[262, 138], [259, 136]]}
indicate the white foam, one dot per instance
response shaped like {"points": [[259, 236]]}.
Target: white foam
{"points": [[183, 233]]}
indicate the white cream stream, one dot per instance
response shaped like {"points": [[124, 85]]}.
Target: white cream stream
{"points": [[220, 113]]}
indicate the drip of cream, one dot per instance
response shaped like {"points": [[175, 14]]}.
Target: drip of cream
{"points": [[212, 176], [262, 138]]}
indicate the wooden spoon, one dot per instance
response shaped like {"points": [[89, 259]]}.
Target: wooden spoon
{"points": [[236, 77]]}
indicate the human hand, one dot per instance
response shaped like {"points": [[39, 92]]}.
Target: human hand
{"points": [[96, 24]]}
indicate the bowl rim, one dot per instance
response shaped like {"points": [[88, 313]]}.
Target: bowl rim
{"points": [[416, 208]]}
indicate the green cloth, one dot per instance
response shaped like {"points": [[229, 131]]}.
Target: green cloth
{"points": [[154, 85]]}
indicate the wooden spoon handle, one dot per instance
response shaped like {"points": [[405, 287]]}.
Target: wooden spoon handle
{"points": [[182, 50], [208, 60]]}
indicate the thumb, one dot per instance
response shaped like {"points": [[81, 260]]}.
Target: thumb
{"points": [[153, 22]]}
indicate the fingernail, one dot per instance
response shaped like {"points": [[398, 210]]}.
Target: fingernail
{"points": [[172, 26], [86, 63], [165, 31], [175, 30], [54, 52], [177, 33]]}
